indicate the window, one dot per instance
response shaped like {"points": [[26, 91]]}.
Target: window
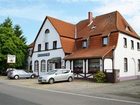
{"points": [[138, 65], [93, 65], [47, 31], [46, 46], [132, 44], [43, 65], [36, 66], [65, 71], [138, 46], [105, 40], [78, 66], [84, 44], [127, 28], [30, 68], [125, 42], [54, 44], [125, 65], [39, 47]]}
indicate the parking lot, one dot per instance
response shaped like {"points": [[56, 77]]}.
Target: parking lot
{"points": [[122, 90]]}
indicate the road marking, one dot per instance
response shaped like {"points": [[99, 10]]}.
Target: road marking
{"points": [[101, 98], [81, 95]]}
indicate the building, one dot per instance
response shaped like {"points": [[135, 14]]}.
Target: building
{"points": [[106, 42], [29, 59]]}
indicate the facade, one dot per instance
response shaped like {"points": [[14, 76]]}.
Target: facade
{"points": [[29, 60], [104, 43]]}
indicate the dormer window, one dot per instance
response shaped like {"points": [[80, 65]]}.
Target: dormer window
{"points": [[47, 31], [127, 28], [85, 43], [105, 41]]}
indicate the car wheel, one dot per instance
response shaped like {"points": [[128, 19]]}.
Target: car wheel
{"points": [[32, 76], [51, 81], [16, 77], [70, 79]]}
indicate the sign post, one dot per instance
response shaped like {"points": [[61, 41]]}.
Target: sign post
{"points": [[11, 59]]}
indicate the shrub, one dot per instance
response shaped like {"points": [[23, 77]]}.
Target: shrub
{"points": [[100, 77]]}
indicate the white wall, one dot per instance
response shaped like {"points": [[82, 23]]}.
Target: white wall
{"points": [[67, 64], [29, 57], [50, 37], [108, 65], [131, 55]]}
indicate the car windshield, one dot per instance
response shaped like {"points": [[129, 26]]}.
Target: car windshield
{"points": [[51, 72]]}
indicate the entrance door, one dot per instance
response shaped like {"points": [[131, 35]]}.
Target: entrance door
{"points": [[51, 66]]}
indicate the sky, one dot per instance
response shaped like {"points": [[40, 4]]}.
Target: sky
{"points": [[29, 14]]}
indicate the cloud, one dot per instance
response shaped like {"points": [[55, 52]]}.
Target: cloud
{"points": [[33, 12]]}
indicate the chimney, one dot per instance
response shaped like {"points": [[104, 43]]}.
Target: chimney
{"points": [[90, 17]]}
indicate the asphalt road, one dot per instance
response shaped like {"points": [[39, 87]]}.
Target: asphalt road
{"points": [[13, 95]]}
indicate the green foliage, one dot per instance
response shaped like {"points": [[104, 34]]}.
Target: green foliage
{"points": [[12, 42], [100, 77]]}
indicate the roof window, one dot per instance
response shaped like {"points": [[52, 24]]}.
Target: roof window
{"points": [[127, 28], [85, 43], [105, 41]]}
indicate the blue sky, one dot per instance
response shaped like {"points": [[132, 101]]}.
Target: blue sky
{"points": [[29, 14]]}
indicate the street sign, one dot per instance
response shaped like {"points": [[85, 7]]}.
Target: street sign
{"points": [[11, 58]]}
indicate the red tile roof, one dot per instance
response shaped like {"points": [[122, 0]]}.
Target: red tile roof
{"points": [[90, 53], [104, 25], [63, 28], [31, 45], [67, 44]]}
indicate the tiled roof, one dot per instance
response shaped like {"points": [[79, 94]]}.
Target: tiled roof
{"points": [[63, 28], [31, 45], [90, 53], [104, 24], [66, 32], [67, 44]]}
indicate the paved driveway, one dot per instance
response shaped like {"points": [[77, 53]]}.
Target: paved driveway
{"points": [[129, 90]]}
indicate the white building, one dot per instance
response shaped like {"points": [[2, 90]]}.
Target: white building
{"points": [[104, 43]]}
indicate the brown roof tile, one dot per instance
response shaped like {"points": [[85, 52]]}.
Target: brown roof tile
{"points": [[67, 44], [104, 24], [90, 53], [31, 45], [63, 28]]}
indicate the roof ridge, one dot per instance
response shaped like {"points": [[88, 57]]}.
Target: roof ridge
{"points": [[108, 13], [117, 20], [60, 20]]}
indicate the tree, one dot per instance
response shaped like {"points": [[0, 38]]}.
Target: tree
{"points": [[13, 42], [18, 32]]}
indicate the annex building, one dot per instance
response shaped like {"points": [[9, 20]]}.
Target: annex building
{"points": [[106, 42]]}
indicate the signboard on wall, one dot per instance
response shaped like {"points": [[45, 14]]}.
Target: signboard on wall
{"points": [[11, 58]]}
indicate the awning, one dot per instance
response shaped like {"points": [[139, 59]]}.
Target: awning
{"points": [[55, 60]]}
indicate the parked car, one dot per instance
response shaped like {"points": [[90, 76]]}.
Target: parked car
{"points": [[56, 75], [9, 69], [16, 74]]}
